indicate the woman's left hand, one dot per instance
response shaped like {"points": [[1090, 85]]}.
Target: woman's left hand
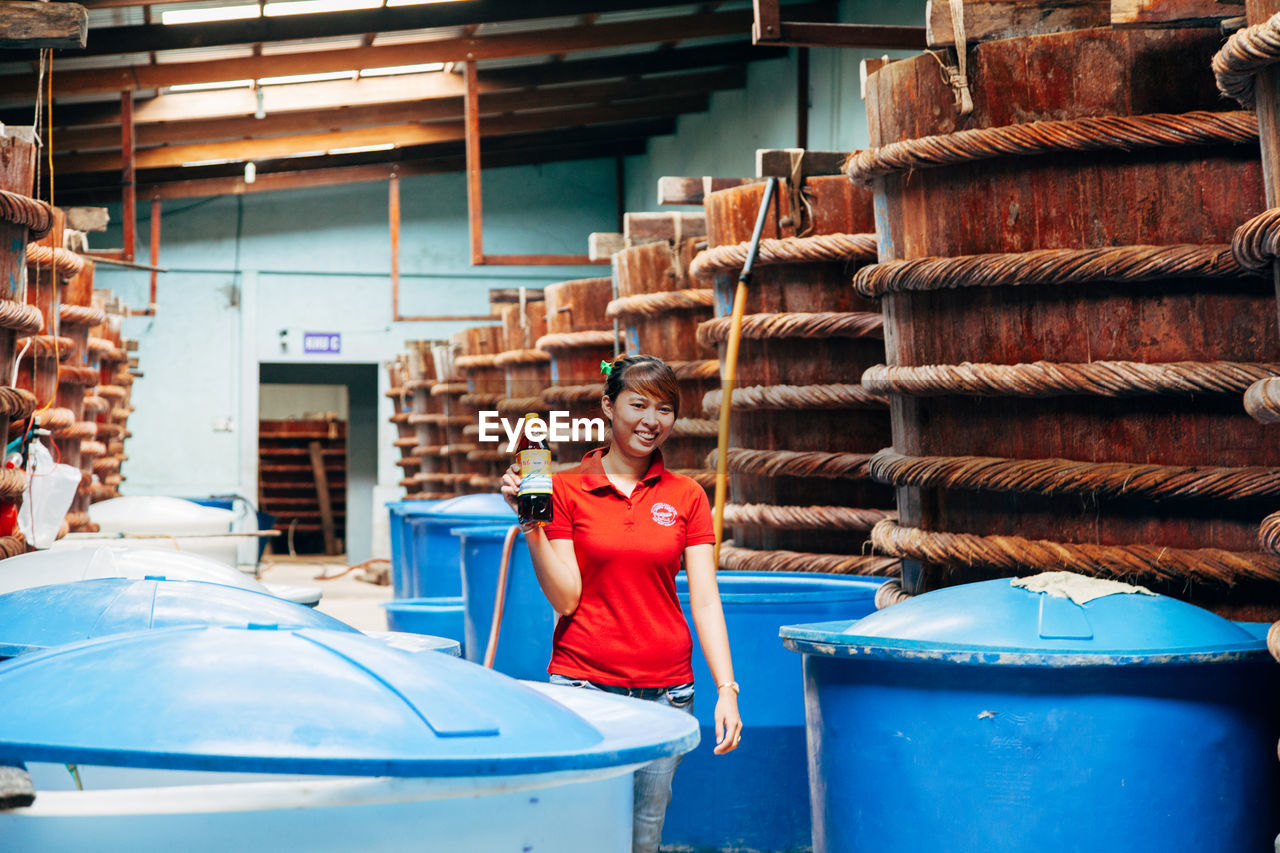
{"points": [[728, 723]]}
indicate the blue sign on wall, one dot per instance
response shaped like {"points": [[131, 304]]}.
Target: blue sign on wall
{"points": [[321, 342]]}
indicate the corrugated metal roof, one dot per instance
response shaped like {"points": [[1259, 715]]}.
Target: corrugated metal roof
{"points": [[272, 48], [119, 60], [529, 25], [413, 36], [127, 16], [196, 54]]}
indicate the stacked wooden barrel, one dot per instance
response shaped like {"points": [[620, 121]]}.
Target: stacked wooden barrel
{"points": [[78, 379], [111, 401], [1068, 332], [486, 387], [21, 219], [526, 368], [803, 430], [406, 435], [430, 421], [659, 308], [579, 336]]}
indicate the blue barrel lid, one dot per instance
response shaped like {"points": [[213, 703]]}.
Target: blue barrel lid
{"points": [[411, 507], [57, 614], [997, 623], [489, 507], [306, 701]]}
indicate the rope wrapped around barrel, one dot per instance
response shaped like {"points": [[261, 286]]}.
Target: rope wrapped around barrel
{"points": [[85, 315], [1131, 563], [1050, 379], [1247, 52], [90, 447], [400, 418], [24, 210], [110, 431], [106, 465], [46, 346], [1269, 534], [443, 449], [78, 430], [737, 559], [409, 441], [1070, 477], [1088, 133], [441, 478], [1273, 640], [795, 463], [782, 517], [565, 394], [16, 404], [420, 418], [443, 389], [821, 324], [661, 303], [21, 317], [488, 456], [480, 399], [102, 492], [397, 392], [111, 392], [408, 462], [469, 362], [694, 428], [784, 397], [104, 347], [12, 546], [521, 356], [408, 483], [57, 418], [690, 371], [1262, 401], [74, 374], [519, 405], [890, 593], [821, 248], [574, 340], [702, 476], [13, 481], [65, 263], [485, 482]]}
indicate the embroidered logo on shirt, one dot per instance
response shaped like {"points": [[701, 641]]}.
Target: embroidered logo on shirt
{"points": [[664, 514]]}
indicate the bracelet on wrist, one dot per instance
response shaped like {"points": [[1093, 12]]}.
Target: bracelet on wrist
{"points": [[732, 685]]}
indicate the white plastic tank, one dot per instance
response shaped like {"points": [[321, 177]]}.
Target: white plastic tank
{"points": [[177, 523]]}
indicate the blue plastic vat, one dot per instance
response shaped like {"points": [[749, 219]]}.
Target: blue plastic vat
{"points": [[988, 717], [529, 620], [401, 550], [434, 569], [440, 617], [263, 740], [266, 521], [754, 797]]}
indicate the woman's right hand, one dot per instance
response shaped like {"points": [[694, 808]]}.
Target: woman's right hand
{"points": [[511, 485]]}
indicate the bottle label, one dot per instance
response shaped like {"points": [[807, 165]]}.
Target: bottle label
{"points": [[535, 472]]}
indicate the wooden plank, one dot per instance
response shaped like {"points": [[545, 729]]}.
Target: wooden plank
{"points": [[322, 495], [26, 24], [401, 135], [807, 34], [866, 68], [1171, 13], [640, 228], [603, 245], [471, 135], [505, 46], [677, 190], [986, 20], [87, 218], [778, 163], [129, 185], [511, 295]]}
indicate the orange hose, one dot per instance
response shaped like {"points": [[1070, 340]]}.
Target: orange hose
{"points": [[500, 596]]}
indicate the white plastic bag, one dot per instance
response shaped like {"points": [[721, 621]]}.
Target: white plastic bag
{"points": [[51, 488]]}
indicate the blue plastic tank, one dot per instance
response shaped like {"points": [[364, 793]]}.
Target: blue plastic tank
{"points": [[440, 617], [753, 798], [528, 621], [435, 561], [399, 513], [265, 740], [995, 718]]}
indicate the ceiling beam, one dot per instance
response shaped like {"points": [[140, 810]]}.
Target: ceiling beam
{"points": [[402, 135], [564, 40], [27, 24], [141, 39], [335, 116]]}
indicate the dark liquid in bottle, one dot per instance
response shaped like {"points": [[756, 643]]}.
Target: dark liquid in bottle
{"points": [[533, 498]]}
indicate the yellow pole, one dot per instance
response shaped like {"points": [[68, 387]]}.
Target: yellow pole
{"points": [[730, 372]]}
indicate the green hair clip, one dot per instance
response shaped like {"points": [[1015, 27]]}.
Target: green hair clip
{"points": [[606, 368]]}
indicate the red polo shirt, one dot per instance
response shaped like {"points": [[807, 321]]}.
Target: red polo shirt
{"points": [[628, 629]]}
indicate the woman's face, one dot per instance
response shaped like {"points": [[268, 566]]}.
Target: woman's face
{"points": [[640, 423]]}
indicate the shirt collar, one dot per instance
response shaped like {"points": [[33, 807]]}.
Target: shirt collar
{"points": [[594, 477]]}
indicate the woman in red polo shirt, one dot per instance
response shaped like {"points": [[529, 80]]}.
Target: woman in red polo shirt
{"points": [[607, 562]]}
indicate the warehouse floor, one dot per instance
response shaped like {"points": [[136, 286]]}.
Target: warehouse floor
{"points": [[354, 601]]}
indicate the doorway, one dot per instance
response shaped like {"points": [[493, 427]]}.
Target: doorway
{"points": [[318, 433]]}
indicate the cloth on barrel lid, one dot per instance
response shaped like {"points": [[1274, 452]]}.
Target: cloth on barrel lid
{"points": [[1078, 588]]}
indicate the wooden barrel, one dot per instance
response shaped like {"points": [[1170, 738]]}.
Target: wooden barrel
{"points": [[1064, 395], [405, 433], [486, 387], [109, 402], [79, 443], [803, 429], [659, 308], [527, 369], [430, 421], [40, 354], [579, 336]]}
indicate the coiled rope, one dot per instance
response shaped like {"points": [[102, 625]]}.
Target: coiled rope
{"points": [[1247, 52], [804, 517], [736, 559], [795, 463], [65, 263], [823, 324], [16, 404], [521, 356], [24, 210], [565, 394], [1092, 133], [442, 389], [21, 317], [822, 248], [783, 397], [574, 340], [660, 303], [83, 315]]}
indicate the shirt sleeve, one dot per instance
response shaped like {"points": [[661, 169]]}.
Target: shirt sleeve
{"points": [[699, 530], [561, 526]]}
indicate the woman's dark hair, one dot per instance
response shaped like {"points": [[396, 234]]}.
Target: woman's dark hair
{"points": [[644, 374]]}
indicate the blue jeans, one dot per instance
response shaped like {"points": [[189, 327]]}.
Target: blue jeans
{"points": [[653, 781]]}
